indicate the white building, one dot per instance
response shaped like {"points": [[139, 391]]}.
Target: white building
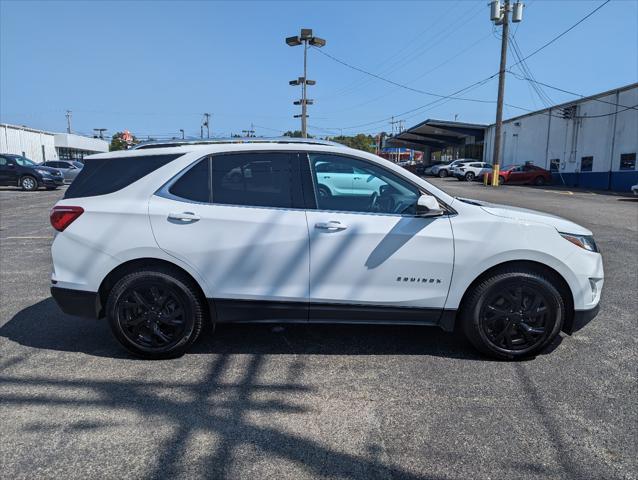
{"points": [[39, 145], [590, 143]]}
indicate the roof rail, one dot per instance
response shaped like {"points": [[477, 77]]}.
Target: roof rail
{"points": [[214, 141]]}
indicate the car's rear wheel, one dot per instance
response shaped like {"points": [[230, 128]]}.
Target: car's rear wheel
{"points": [[539, 181], [513, 314], [324, 192], [155, 313], [442, 173], [501, 179], [28, 183], [469, 176]]}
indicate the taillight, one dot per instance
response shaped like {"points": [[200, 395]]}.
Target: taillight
{"points": [[63, 216]]}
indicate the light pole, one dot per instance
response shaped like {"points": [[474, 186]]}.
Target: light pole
{"points": [[500, 16], [305, 39], [181, 130]]}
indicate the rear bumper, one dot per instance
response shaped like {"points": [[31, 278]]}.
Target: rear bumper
{"points": [[77, 302]]}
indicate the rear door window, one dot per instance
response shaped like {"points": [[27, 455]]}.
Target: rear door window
{"points": [[258, 179], [101, 176]]}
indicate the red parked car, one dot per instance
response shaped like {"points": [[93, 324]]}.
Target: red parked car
{"points": [[523, 174]]}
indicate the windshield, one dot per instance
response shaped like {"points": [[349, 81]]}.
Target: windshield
{"points": [[78, 164], [25, 162]]}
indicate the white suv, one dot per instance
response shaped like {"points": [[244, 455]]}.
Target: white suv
{"points": [[161, 240]]}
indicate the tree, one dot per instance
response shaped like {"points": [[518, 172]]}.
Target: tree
{"points": [[122, 141], [295, 134], [360, 142]]}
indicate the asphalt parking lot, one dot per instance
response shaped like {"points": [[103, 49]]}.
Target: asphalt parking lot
{"points": [[316, 402]]}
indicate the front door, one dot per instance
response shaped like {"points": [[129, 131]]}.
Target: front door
{"points": [[248, 239], [371, 257]]}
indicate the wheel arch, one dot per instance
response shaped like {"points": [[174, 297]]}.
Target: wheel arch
{"points": [[538, 267], [129, 266]]}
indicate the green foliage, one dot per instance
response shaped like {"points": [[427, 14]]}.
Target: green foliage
{"points": [[295, 134], [119, 142], [360, 141]]}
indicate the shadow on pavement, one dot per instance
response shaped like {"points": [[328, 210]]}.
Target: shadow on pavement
{"points": [[44, 326]]}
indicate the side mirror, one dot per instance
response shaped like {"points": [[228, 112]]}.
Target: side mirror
{"points": [[428, 206]]}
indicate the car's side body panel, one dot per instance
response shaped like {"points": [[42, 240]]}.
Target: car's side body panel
{"points": [[244, 256]]}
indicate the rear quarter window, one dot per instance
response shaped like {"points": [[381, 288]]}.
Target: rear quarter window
{"points": [[107, 175]]}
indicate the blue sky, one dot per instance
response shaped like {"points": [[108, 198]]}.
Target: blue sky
{"points": [[155, 67]]}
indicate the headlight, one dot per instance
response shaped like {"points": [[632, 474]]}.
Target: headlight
{"points": [[42, 172], [582, 241]]}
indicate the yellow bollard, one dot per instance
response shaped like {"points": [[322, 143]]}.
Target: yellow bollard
{"points": [[485, 178], [495, 174]]}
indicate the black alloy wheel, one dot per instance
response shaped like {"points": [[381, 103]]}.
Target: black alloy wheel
{"points": [[155, 314], [469, 176], [515, 318], [513, 314]]}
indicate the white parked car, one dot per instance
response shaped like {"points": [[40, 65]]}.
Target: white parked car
{"points": [[444, 169], [472, 171], [634, 189], [164, 240]]}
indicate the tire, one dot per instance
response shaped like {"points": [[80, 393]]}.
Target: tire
{"points": [[443, 173], [469, 176], [539, 181], [497, 326], [155, 313], [501, 179], [324, 192], [29, 183]]}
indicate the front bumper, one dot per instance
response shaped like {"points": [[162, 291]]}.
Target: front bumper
{"points": [[52, 181], [77, 302], [581, 319]]}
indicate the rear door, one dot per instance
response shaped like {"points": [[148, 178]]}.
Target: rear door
{"points": [[373, 258], [246, 235]]}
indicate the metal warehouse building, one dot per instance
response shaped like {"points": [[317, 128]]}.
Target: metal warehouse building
{"points": [[39, 145], [590, 143]]}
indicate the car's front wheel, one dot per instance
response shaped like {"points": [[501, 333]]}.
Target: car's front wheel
{"points": [[512, 314], [469, 176], [155, 313], [28, 183]]}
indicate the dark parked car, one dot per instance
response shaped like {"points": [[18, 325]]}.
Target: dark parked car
{"points": [[523, 174], [19, 171], [69, 168]]}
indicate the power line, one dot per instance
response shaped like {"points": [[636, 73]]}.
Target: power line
{"points": [[564, 33], [387, 80], [519, 77]]}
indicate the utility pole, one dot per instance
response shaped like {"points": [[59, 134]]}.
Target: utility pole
{"points": [[68, 115], [500, 16], [181, 130], [205, 123], [306, 39]]}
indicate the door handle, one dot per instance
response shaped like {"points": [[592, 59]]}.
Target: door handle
{"points": [[331, 225], [356, 178], [184, 217]]}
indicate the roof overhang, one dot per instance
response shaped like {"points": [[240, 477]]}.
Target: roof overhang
{"points": [[438, 134]]}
